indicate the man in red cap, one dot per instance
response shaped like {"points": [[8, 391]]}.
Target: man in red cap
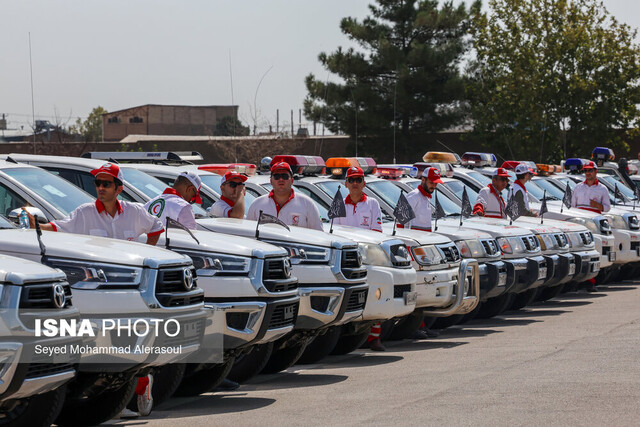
{"points": [[490, 202], [231, 203], [284, 203], [362, 212], [590, 195], [420, 200], [109, 217], [175, 202], [523, 175]]}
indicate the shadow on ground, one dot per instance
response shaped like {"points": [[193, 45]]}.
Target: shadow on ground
{"points": [[357, 360]]}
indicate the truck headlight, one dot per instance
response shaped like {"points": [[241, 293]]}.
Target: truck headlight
{"points": [[217, 264], [547, 241], [427, 255], [587, 222], [373, 254], [510, 245], [98, 276], [471, 248]]}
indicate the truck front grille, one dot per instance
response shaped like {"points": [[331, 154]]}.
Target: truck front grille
{"points": [[42, 295], [562, 239], [37, 370], [530, 243], [450, 252], [276, 275], [190, 334], [284, 315], [490, 247], [351, 265], [399, 290], [357, 300], [400, 256], [172, 287]]}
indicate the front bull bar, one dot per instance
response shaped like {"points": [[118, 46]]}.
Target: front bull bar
{"points": [[462, 304]]}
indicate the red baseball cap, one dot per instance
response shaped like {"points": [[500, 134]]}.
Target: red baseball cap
{"points": [[281, 166], [433, 175], [590, 165], [354, 171], [501, 172], [233, 176], [109, 169]]}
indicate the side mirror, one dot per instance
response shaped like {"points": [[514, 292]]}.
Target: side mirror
{"points": [[14, 215]]}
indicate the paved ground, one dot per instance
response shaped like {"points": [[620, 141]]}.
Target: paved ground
{"points": [[570, 361]]}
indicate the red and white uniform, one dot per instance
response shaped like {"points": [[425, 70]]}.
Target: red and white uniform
{"points": [[584, 193], [171, 204], [519, 187], [420, 201], [490, 203], [222, 208], [299, 210], [364, 214], [130, 221]]}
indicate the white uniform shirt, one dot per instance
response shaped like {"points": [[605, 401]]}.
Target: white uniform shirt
{"points": [[518, 187], [420, 202], [364, 214], [490, 202], [131, 220], [171, 204], [584, 193], [222, 207], [299, 210]]}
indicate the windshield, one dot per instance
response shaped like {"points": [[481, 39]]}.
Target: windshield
{"points": [[563, 182], [323, 208], [553, 192], [457, 187], [413, 184], [388, 192], [626, 191], [57, 191], [5, 223], [152, 187], [482, 179], [212, 181]]}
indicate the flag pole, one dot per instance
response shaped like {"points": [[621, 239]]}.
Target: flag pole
{"points": [[258, 224], [166, 234], [544, 199], [394, 227], [331, 228]]}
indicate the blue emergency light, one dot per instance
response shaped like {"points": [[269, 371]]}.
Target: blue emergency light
{"points": [[602, 154], [573, 165]]}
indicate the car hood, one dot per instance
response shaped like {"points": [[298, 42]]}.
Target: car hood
{"points": [[83, 247], [18, 271], [565, 226], [274, 232], [419, 237], [494, 226], [360, 235]]}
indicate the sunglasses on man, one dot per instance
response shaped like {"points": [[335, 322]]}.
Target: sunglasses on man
{"points": [[358, 180], [234, 184], [101, 183], [278, 176]]}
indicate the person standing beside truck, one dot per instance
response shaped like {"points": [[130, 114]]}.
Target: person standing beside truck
{"points": [[590, 195], [420, 200], [489, 202], [362, 212], [523, 174], [284, 203], [175, 202], [231, 203]]}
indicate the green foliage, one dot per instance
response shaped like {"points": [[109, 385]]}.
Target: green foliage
{"points": [[231, 126], [408, 56], [91, 127], [543, 67]]}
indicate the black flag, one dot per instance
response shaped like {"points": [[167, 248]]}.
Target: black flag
{"points": [[566, 200], [515, 206], [337, 208], [636, 192], [172, 223], [270, 219], [466, 205], [543, 207], [403, 211], [438, 211]]}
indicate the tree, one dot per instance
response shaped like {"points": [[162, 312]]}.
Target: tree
{"points": [[408, 58], [552, 78], [91, 127], [231, 126]]}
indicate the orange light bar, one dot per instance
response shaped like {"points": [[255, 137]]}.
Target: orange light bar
{"points": [[338, 162], [248, 169], [440, 157]]}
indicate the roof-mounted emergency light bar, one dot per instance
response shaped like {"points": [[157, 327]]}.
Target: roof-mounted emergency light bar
{"points": [[302, 165], [248, 169], [407, 170], [546, 170], [146, 156], [602, 154], [472, 159], [441, 157], [574, 165], [339, 165], [445, 169]]}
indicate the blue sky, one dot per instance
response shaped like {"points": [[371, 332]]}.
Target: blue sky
{"points": [[123, 53]]}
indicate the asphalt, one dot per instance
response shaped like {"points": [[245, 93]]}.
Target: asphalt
{"points": [[570, 361]]}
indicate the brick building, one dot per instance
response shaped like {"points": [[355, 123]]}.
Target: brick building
{"points": [[153, 119]]}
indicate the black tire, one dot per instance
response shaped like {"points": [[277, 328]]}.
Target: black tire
{"points": [[36, 411], [524, 299], [348, 343], [494, 306], [445, 322], [284, 358], [548, 293], [408, 326], [249, 365], [97, 409], [197, 380], [166, 381], [321, 346]]}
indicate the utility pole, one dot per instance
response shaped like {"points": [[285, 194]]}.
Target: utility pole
{"points": [[291, 123], [277, 120]]}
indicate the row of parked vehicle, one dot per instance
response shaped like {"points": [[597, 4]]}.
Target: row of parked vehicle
{"points": [[251, 299]]}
